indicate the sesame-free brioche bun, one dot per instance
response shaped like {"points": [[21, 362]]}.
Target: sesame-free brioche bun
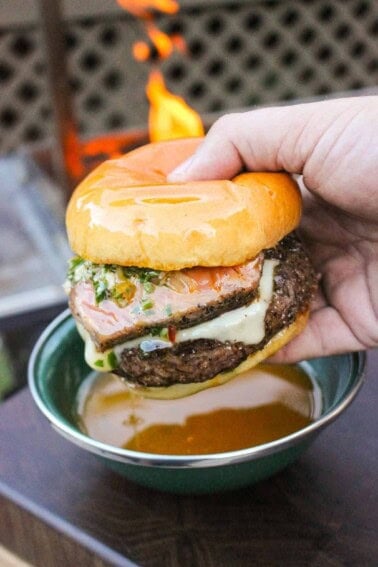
{"points": [[125, 212], [182, 390]]}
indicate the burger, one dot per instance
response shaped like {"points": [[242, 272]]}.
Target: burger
{"points": [[176, 287]]}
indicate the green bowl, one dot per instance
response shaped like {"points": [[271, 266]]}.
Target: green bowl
{"points": [[57, 369]]}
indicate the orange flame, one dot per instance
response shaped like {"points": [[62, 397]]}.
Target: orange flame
{"points": [[179, 43], [143, 8], [161, 40], [170, 117], [141, 51], [163, 43]]}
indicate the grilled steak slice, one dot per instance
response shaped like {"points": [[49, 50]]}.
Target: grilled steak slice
{"points": [[202, 359], [182, 299]]}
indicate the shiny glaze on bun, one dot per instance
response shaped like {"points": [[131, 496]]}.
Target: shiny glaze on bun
{"points": [[125, 212]]}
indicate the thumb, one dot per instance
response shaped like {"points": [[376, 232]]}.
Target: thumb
{"points": [[267, 139]]}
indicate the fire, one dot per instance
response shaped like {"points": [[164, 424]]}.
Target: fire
{"points": [[72, 154], [161, 40], [143, 8], [141, 51], [170, 117], [163, 43]]}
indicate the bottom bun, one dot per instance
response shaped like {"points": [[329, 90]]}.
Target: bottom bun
{"points": [[182, 390]]}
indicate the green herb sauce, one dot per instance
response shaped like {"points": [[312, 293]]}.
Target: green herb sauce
{"points": [[114, 282]]}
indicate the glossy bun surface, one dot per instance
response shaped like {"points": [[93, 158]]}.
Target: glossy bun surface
{"points": [[125, 212]]}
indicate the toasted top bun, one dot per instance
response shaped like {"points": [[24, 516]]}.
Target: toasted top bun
{"points": [[125, 212]]}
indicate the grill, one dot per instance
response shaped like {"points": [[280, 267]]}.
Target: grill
{"points": [[241, 54]]}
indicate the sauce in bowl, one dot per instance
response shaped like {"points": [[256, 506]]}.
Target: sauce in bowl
{"points": [[259, 406]]}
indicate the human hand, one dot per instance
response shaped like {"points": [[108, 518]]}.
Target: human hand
{"points": [[334, 144]]}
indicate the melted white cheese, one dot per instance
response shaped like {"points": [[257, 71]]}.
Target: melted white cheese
{"points": [[244, 324]]}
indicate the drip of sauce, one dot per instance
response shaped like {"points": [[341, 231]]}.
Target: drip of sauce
{"points": [[257, 407]]}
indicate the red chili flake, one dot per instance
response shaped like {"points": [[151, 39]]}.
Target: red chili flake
{"points": [[172, 333]]}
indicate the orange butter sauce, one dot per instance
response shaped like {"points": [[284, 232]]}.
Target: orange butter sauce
{"points": [[259, 406]]}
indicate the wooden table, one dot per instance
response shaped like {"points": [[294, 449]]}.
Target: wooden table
{"points": [[59, 506]]}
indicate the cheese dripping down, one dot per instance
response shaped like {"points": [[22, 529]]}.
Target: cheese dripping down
{"points": [[245, 324]]}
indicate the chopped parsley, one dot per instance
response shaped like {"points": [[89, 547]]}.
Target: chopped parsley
{"points": [[101, 290], [148, 287], [155, 331], [144, 275], [73, 264], [113, 282], [146, 304], [161, 332], [112, 360], [164, 333], [99, 274]]}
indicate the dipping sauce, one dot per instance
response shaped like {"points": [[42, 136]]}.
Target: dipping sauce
{"points": [[259, 406]]}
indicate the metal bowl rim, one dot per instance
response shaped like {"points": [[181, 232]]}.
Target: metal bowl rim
{"points": [[129, 457]]}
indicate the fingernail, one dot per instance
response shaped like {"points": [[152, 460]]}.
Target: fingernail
{"points": [[181, 170]]}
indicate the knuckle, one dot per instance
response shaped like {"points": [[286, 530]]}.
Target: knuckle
{"points": [[225, 124]]}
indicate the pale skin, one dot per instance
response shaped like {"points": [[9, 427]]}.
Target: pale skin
{"points": [[334, 144]]}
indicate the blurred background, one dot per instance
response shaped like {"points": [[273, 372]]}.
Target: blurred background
{"points": [[240, 54], [69, 79]]}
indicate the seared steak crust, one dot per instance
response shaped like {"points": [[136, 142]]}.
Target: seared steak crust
{"points": [[202, 359]]}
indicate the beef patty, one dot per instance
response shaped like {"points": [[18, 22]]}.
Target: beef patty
{"points": [[202, 359]]}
